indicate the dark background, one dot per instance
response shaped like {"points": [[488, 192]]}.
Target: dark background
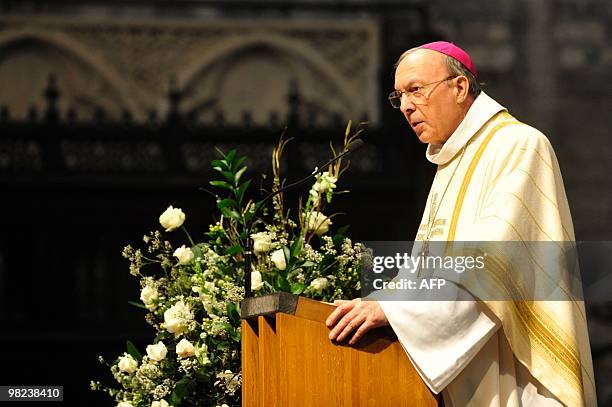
{"points": [[80, 180]]}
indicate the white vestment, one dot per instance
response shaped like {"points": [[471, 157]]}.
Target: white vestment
{"points": [[497, 180]]}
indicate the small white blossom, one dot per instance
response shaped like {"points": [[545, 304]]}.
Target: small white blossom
{"points": [[325, 183], [210, 286], [319, 284]]}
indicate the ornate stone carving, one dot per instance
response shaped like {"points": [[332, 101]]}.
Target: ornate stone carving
{"points": [[222, 66]]}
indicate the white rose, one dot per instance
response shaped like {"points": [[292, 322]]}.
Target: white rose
{"points": [[124, 404], [262, 242], [278, 258], [318, 284], [160, 403], [157, 352], [318, 223], [183, 254], [172, 218], [256, 282], [176, 318], [184, 348], [127, 364], [149, 296]]}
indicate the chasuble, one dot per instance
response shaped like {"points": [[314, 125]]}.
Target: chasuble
{"points": [[498, 180]]}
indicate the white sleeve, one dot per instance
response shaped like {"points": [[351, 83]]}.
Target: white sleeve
{"points": [[440, 337]]}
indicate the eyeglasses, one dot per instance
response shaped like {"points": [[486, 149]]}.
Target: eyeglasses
{"points": [[415, 94]]}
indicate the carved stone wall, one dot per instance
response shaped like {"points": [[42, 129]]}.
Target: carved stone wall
{"points": [[222, 66]]}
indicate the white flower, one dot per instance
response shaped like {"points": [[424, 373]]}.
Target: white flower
{"points": [[201, 352], [160, 403], [127, 363], [278, 258], [262, 242], [176, 318], [184, 348], [325, 183], [183, 254], [256, 282], [157, 352], [172, 218], [318, 223], [124, 404], [149, 296], [211, 287], [315, 197], [318, 284]]}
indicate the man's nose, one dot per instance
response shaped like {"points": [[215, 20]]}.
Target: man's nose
{"points": [[407, 106]]}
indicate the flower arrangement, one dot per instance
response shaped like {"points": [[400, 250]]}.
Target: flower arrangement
{"points": [[192, 293]]}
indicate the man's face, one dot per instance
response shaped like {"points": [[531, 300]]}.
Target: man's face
{"points": [[436, 119]]}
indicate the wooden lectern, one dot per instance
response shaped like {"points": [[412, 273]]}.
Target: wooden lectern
{"points": [[288, 360]]}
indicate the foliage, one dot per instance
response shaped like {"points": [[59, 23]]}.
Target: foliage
{"points": [[192, 293]]}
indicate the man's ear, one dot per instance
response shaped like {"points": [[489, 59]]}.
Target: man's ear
{"points": [[462, 88]]}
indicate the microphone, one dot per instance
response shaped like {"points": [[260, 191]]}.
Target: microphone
{"points": [[350, 149]]}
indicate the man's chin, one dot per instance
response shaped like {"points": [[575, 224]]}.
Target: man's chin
{"points": [[424, 137]]}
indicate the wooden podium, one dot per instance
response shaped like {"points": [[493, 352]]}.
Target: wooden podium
{"points": [[288, 360]]}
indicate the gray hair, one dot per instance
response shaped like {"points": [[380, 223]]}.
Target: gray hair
{"points": [[457, 68], [454, 68]]}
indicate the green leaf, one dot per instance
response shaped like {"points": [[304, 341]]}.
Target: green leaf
{"points": [[221, 164], [220, 184], [242, 189], [137, 304], [133, 351], [235, 250], [230, 213], [232, 313], [229, 176], [239, 174], [182, 389], [282, 283], [287, 254], [297, 288], [229, 158], [227, 202], [296, 247], [342, 230], [198, 250], [338, 240], [308, 263], [240, 161]]}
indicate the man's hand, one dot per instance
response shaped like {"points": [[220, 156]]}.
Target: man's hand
{"points": [[355, 315]]}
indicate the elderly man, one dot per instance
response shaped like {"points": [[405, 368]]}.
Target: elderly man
{"points": [[497, 180]]}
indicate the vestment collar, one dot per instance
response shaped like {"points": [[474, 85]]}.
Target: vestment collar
{"points": [[483, 108]]}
